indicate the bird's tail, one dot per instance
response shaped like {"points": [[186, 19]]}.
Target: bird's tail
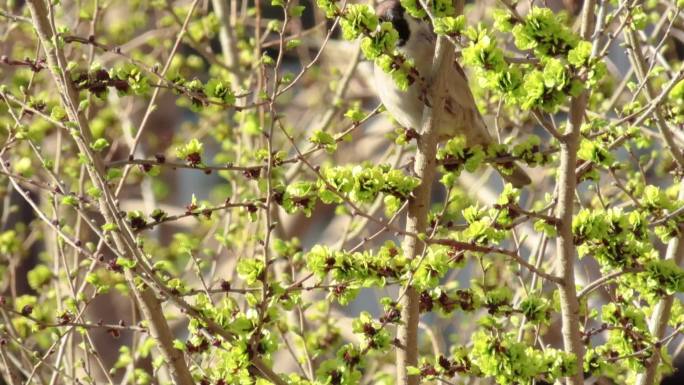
{"points": [[515, 175]]}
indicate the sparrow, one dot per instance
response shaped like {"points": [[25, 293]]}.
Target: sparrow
{"points": [[417, 42]]}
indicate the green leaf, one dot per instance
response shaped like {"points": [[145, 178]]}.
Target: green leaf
{"points": [[297, 11], [251, 270], [99, 144], [358, 19], [580, 55], [293, 43], [70, 200], [219, 91], [449, 25], [39, 276], [355, 114], [413, 371], [324, 140], [58, 113]]}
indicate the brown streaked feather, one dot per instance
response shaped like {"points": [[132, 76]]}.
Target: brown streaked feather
{"points": [[460, 69]]}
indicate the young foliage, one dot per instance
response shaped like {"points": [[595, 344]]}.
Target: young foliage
{"points": [[193, 192]]}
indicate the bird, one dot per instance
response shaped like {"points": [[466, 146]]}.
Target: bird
{"points": [[417, 41]]}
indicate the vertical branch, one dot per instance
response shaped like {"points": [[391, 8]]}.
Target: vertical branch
{"points": [[661, 313], [148, 302], [675, 247], [640, 69], [11, 375], [565, 247], [419, 204], [227, 39]]}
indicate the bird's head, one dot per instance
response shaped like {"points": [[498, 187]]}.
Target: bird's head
{"points": [[392, 11]]}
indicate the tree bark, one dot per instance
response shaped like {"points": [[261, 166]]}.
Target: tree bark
{"points": [[125, 245], [675, 248], [565, 247], [661, 314], [419, 204]]}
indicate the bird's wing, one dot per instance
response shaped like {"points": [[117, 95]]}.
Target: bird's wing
{"points": [[468, 121], [460, 104]]}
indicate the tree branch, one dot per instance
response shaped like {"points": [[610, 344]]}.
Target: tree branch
{"points": [[149, 304], [675, 247], [488, 249], [419, 204], [661, 313], [227, 39], [639, 63], [11, 375], [565, 247]]}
